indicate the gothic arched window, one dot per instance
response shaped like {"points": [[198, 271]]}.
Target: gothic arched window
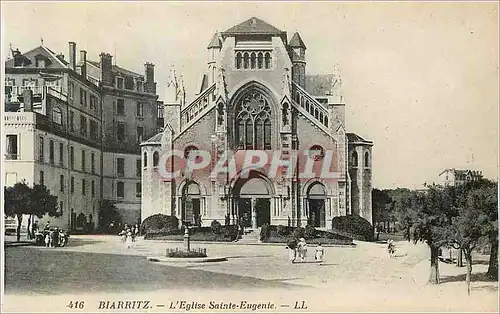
{"points": [[367, 160], [245, 60], [145, 159], [354, 158], [253, 60], [260, 62], [253, 122], [156, 159], [238, 60], [267, 60]]}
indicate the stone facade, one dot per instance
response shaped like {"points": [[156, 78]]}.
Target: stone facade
{"points": [[60, 126], [255, 96]]}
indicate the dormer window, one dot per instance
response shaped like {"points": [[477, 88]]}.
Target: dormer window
{"points": [[119, 82], [40, 63], [140, 86], [129, 83]]}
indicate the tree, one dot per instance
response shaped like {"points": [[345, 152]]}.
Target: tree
{"points": [[108, 213], [21, 199], [424, 217], [381, 207]]}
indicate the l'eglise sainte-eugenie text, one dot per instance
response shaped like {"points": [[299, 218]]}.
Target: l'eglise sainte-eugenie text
{"points": [[219, 305]]}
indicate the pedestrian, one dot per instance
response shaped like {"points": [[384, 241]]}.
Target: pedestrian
{"points": [[55, 237], [391, 248], [137, 231], [47, 226], [47, 239], [292, 250], [302, 248], [128, 240], [320, 251]]}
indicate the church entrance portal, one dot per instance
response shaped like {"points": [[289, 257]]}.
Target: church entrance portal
{"points": [[191, 205], [252, 201], [316, 202]]}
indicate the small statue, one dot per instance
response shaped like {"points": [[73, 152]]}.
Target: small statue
{"points": [[284, 114], [220, 113]]}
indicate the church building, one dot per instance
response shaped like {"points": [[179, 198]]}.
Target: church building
{"points": [[256, 96]]}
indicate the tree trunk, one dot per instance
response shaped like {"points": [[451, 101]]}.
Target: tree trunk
{"points": [[460, 262], [18, 229], [493, 265], [468, 258], [434, 277], [29, 227]]}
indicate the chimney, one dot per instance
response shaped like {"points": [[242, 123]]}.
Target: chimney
{"points": [[83, 63], [149, 70], [28, 100], [72, 55], [106, 69]]}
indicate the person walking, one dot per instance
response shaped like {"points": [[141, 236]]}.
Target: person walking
{"points": [[391, 248], [302, 248], [292, 250], [128, 240], [320, 251]]}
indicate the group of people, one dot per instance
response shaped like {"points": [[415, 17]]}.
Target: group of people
{"points": [[129, 234], [51, 236], [300, 248]]}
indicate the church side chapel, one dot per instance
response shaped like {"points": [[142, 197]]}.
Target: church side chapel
{"points": [[256, 95]]}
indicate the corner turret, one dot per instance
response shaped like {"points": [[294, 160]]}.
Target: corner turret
{"points": [[297, 51], [214, 48]]}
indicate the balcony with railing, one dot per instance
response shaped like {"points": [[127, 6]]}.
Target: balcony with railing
{"points": [[15, 93], [314, 108], [202, 102]]}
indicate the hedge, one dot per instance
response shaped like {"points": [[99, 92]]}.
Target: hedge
{"points": [[283, 234], [224, 234], [158, 222], [354, 226]]}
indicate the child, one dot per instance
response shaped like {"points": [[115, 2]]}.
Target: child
{"points": [[129, 238], [302, 248], [320, 251], [391, 248], [47, 239], [292, 250]]}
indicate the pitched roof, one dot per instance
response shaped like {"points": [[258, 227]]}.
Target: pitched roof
{"points": [[296, 41], [215, 42], [254, 26], [353, 137], [117, 69], [40, 51]]}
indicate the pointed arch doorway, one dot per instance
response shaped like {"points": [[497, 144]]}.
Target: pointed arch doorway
{"points": [[316, 196], [252, 205]]}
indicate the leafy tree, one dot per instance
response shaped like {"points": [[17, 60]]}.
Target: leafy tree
{"points": [[424, 217], [108, 213], [381, 208], [21, 199]]}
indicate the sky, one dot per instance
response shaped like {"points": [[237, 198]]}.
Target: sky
{"points": [[420, 79]]}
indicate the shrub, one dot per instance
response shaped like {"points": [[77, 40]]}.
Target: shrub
{"points": [[264, 232], [298, 233], [159, 222], [186, 254], [230, 232], [216, 227], [356, 226], [284, 230], [310, 232]]}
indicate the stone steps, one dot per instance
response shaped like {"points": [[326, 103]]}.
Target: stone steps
{"points": [[252, 236]]}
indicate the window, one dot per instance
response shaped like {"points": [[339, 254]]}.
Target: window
{"points": [[120, 189], [140, 133], [72, 185], [367, 160], [129, 82], [260, 58], [246, 60], [253, 121], [72, 121], [40, 149], [83, 97], [120, 132], [42, 178], [83, 125], [354, 159], [138, 189], [61, 154], [92, 162], [72, 157], [92, 188], [120, 167], [40, 63], [238, 60], [83, 160], [61, 183], [253, 60], [156, 159], [140, 86], [94, 130], [145, 159], [61, 207], [11, 147], [120, 107], [138, 169], [84, 187], [267, 60], [57, 115], [71, 90], [119, 82], [139, 109], [51, 152], [93, 102], [30, 82]]}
